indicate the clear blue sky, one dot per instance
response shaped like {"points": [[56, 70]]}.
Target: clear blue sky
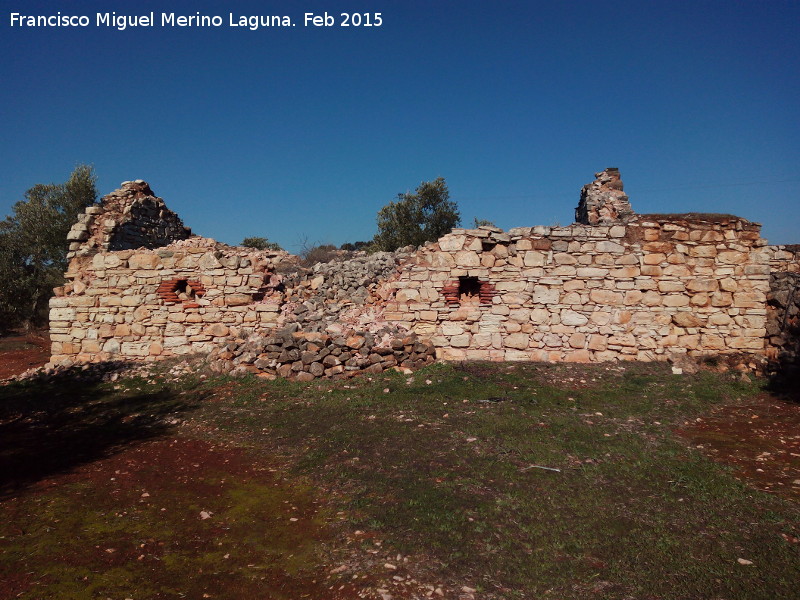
{"points": [[303, 133]]}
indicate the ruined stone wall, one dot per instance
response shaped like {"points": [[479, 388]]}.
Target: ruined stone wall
{"points": [[658, 285], [646, 287], [189, 296], [783, 308], [130, 217]]}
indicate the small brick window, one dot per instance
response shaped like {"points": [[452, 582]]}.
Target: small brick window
{"points": [[465, 289], [183, 290]]}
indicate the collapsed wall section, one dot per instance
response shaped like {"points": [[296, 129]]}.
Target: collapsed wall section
{"points": [[645, 290]]}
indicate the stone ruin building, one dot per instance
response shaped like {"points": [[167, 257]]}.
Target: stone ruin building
{"points": [[613, 286]]}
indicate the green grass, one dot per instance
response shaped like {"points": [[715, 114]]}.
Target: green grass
{"points": [[443, 467]]}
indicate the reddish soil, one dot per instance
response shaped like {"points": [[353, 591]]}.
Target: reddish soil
{"points": [[18, 353], [760, 439], [152, 511]]}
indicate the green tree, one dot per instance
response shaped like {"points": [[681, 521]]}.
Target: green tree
{"points": [[482, 223], [414, 219], [33, 245], [260, 243]]}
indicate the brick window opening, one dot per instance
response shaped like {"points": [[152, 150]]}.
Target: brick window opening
{"points": [[181, 290], [467, 289]]}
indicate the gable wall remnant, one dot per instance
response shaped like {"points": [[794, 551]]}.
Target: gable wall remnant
{"points": [[631, 287]]}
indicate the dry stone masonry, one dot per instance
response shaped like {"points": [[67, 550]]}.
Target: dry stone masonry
{"points": [[613, 286], [603, 202]]}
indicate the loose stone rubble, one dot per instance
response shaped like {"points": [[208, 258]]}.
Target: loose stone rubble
{"points": [[614, 286]]}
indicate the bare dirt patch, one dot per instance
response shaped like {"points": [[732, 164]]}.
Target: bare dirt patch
{"points": [[171, 518], [760, 439], [18, 353]]}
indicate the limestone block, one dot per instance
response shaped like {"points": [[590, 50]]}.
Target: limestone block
{"points": [[517, 298], [680, 271], [545, 295], [175, 341], [143, 261], [573, 319], [600, 317], [452, 243], [83, 301], [131, 300], [111, 346], [626, 272], [654, 258], [607, 297], [520, 315], [732, 257], [752, 299], [617, 231], [461, 341], [669, 285], [450, 328], [746, 343], [540, 316], [467, 258], [510, 286], [592, 272], [407, 295], [552, 340], [598, 342], [577, 340], [519, 341], [675, 300], [573, 284], [610, 247], [62, 314], [633, 297], [238, 299], [721, 299], [622, 339], [703, 285], [578, 356], [686, 319], [564, 258], [208, 262], [652, 270], [534, 258]]}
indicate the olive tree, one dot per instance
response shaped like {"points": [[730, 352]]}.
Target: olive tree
{"points": [[413, 219], [33, 245]]}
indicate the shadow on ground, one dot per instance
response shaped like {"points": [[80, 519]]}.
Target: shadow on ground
{"points": [[53, 424]]}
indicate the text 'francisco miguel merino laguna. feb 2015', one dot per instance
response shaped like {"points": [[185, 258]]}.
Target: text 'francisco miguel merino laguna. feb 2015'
{"points": [[251, 22]]}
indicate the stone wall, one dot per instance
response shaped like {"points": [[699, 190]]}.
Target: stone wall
{"points": [[186, 297], [783, 309], [130, 217], [618, 286], [656, 286]]}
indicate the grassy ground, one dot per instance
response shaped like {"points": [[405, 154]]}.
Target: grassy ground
{"points": [[517, 481]]}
